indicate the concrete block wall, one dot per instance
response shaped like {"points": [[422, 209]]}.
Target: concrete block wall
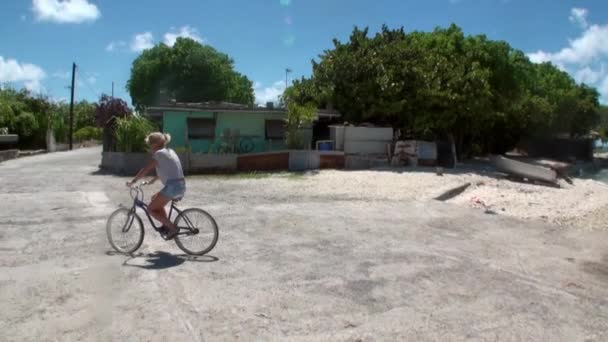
{"points": [[200, 162], [304, 160]]}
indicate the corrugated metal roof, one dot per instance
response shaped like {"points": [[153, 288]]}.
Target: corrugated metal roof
{"points": [[225, 107]]}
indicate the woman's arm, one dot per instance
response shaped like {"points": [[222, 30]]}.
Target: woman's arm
{"points": [[143, 172]]}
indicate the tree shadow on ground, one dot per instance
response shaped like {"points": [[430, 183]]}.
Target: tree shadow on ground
{"points": [[161, 260]]}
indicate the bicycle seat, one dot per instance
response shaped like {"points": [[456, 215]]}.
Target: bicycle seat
{"points": [[175, 200]]}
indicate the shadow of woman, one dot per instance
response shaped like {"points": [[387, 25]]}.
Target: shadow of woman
{"points": [[163, 260], [157, 261]]}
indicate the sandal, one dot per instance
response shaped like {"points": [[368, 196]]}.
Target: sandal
{"points": [[170, 235]]}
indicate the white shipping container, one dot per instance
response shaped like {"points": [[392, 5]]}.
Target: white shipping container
{"points": [[368, 134], [336, 134], [365, 147]]}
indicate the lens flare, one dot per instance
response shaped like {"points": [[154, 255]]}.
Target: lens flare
{"points": [[289, 40], [285, 3], [288, 20]]}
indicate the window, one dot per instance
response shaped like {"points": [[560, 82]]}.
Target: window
{"points": [[275, 129], [200, 128]]}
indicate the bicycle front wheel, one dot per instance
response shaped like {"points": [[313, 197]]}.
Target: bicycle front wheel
{"points": [[198, 232], [125, 231]]}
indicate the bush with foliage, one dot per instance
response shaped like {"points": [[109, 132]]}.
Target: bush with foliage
{"points": [[188, 71], [88, 133], [131, 133], [107, 113], [445, 84], [26, 116], [297, 117], [32, 116]]}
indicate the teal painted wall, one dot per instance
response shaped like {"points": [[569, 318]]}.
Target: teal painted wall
{"points": [[251, 125]]}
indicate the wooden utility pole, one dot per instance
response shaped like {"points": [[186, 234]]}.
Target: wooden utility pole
{"points": [[112, 89], [72, 104], [287, 71]]}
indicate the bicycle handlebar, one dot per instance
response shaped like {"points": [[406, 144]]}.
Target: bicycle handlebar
{"points": [[137, 186], [136, 189]]}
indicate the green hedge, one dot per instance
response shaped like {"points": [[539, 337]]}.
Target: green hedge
{"points": [[88, 133], [131, 133]]}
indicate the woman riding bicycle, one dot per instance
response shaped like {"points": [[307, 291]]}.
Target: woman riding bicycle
{"points": [[169, 170]]}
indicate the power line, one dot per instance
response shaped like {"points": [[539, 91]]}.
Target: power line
{"points": [[87, 84]]}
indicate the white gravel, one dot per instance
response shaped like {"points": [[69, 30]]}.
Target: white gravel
{"points": [[583, 205]]}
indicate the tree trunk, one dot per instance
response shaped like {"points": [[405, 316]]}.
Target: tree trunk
{"points": [[454, 152]]}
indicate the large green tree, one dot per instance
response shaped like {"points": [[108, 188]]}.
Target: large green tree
{"points": [[481, 93], [188, 72]]}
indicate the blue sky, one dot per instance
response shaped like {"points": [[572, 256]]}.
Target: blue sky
{"points": [[39, 39]]}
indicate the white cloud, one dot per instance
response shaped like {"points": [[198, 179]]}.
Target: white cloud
{"points": [[61, 74], [65, 11], [142, 41], [116, 45], [585, 57], [591, 76], [590, 46], [31, 75], [92, 80], [184, 32], [579, 16], [268, 94]]}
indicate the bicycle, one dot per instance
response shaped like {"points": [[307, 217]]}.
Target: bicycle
{"points": [[125, 227]]}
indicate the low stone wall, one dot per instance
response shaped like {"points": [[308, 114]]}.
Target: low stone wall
{"points": [[210, 163], [129, 163], [304, 160], [8, 154]]}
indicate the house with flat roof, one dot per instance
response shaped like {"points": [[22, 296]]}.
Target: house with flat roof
{"points": [[232, 128]]}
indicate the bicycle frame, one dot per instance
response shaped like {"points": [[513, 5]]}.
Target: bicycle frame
{"points": [[139, 203]]}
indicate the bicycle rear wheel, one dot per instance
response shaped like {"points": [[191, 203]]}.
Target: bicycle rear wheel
{"points": [[198, 232], [125, 231]]}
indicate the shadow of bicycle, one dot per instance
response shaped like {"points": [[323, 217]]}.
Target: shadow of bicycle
{"points": [[161, 260]]}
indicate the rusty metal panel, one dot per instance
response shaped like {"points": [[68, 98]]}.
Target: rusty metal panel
{"points": [[332, 161], [263, 162]]}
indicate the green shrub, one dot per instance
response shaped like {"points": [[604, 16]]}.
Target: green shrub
{"points": [[88, 133], [297, 117], [26, 124], [131, 133]]}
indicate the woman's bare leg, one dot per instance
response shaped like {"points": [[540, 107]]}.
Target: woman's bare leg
{"points": [[157, 210]]}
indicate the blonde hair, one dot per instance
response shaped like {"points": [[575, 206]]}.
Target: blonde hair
{"points": [[158, 137]]}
